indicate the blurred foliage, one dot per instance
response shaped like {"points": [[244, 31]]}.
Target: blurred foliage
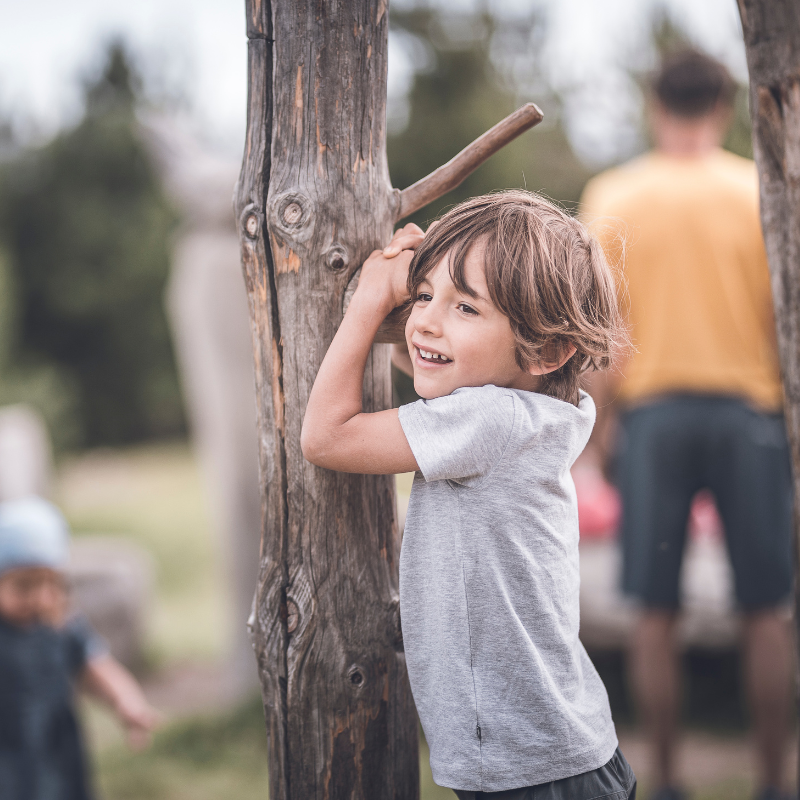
{"points": [[464, 86], [85, 228]]}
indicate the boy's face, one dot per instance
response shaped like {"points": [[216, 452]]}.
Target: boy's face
{"points": [[472, 335], [30, 595]]}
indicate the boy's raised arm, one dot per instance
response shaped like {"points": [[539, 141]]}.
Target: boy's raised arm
{"points": [[337, 434]]}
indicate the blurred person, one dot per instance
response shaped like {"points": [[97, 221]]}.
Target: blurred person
{"points": [[701, 401], [42, 652]]}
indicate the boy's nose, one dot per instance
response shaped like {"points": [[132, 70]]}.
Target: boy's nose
{"points": [[428, 320]]}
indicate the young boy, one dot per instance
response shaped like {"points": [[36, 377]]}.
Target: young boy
{"points": [[41, 654], [511, 301]]}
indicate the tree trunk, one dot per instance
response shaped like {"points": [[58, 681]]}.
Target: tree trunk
{"points": [[772, 40], [313, 200]]}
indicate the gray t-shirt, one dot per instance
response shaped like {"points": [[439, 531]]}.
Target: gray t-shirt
{"points": [[489, 588]]}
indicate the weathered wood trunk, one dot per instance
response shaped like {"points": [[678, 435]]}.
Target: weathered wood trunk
{"points": [[772, 40], [314, 199]]}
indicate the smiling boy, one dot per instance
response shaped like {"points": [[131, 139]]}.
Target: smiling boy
{"points": [[512, 300]]}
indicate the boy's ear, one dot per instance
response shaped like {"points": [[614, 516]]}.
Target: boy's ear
{"points": [[551, 366]]}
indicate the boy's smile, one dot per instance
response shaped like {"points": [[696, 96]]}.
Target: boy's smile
{"points": [[456, 339]]}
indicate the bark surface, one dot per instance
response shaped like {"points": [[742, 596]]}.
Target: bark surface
{"points": [[772, 41], [313, 200]]}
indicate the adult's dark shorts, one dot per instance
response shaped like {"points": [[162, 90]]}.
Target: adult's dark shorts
{"points": [[613, 781], [671, 449]]}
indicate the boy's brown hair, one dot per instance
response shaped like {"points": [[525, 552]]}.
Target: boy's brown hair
{"points": [[544, 272]]}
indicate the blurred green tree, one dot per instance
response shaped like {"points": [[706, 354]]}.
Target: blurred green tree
{"points": [[471, 71], [467, 84], [86, 229]]}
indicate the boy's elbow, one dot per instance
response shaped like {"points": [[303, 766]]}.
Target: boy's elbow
{"points": [[312, 446], [307, 444]]}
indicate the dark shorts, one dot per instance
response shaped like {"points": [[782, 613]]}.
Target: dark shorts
{"points": [[671, 449], [613, 781]]}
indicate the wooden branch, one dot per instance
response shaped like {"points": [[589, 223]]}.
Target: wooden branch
{"points": [[451, 174]]}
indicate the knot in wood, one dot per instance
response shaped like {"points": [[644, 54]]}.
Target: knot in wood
{"points": [[356, 676], [336, 258], [251, 226], [291, 214], [250, 220]]}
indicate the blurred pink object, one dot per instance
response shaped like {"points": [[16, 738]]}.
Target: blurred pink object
{"points": [[599, 508], [598, 504], [704, 519]]}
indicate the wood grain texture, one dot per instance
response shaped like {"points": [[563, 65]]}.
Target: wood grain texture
{"points": [[313, 200], [772, 41]]}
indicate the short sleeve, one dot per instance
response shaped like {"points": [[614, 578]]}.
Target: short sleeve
{"points": [[82, 643], [462, 436]]}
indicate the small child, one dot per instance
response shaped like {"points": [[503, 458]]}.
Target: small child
{"points": [[511, 301], [42, 652]]}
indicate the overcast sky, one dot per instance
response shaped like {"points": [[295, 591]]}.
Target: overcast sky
{"points": [[199, 46]]}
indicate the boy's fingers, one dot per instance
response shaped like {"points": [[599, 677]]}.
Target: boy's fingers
{"points": [[408, 241], [406, 238], [406, 230]]}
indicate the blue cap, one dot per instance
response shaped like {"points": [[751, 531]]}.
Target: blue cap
{"points": [[33, 533]]}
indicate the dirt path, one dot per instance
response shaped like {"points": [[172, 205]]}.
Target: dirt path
{"points": [[706, 761]]}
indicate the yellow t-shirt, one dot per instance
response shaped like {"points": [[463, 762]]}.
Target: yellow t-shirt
{"points": [[685, 233]]}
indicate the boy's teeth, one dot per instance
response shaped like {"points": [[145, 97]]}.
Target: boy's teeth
{"points": [[433, 356]]}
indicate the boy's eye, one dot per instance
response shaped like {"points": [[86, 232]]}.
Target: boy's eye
{"points": [[424, 297], [466, 309]]}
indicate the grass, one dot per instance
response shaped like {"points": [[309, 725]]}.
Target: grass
{"points": [[207, 758], [155, 495], [203, 758]]}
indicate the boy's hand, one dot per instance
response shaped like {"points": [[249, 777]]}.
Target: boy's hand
{"points": [[337, 434], [409, 237], [385, 273]]}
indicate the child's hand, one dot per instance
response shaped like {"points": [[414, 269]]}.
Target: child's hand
{"points": [[409, 237], [140, 720], [385, 272], [104, 677]]}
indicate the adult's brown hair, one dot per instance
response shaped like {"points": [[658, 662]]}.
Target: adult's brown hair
{"points": [[691, 84]]}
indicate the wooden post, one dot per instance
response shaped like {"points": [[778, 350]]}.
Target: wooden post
{"points": [[772, 41], [313, 200]]}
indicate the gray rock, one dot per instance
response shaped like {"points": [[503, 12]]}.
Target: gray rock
{"points": [[111, 582]]}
